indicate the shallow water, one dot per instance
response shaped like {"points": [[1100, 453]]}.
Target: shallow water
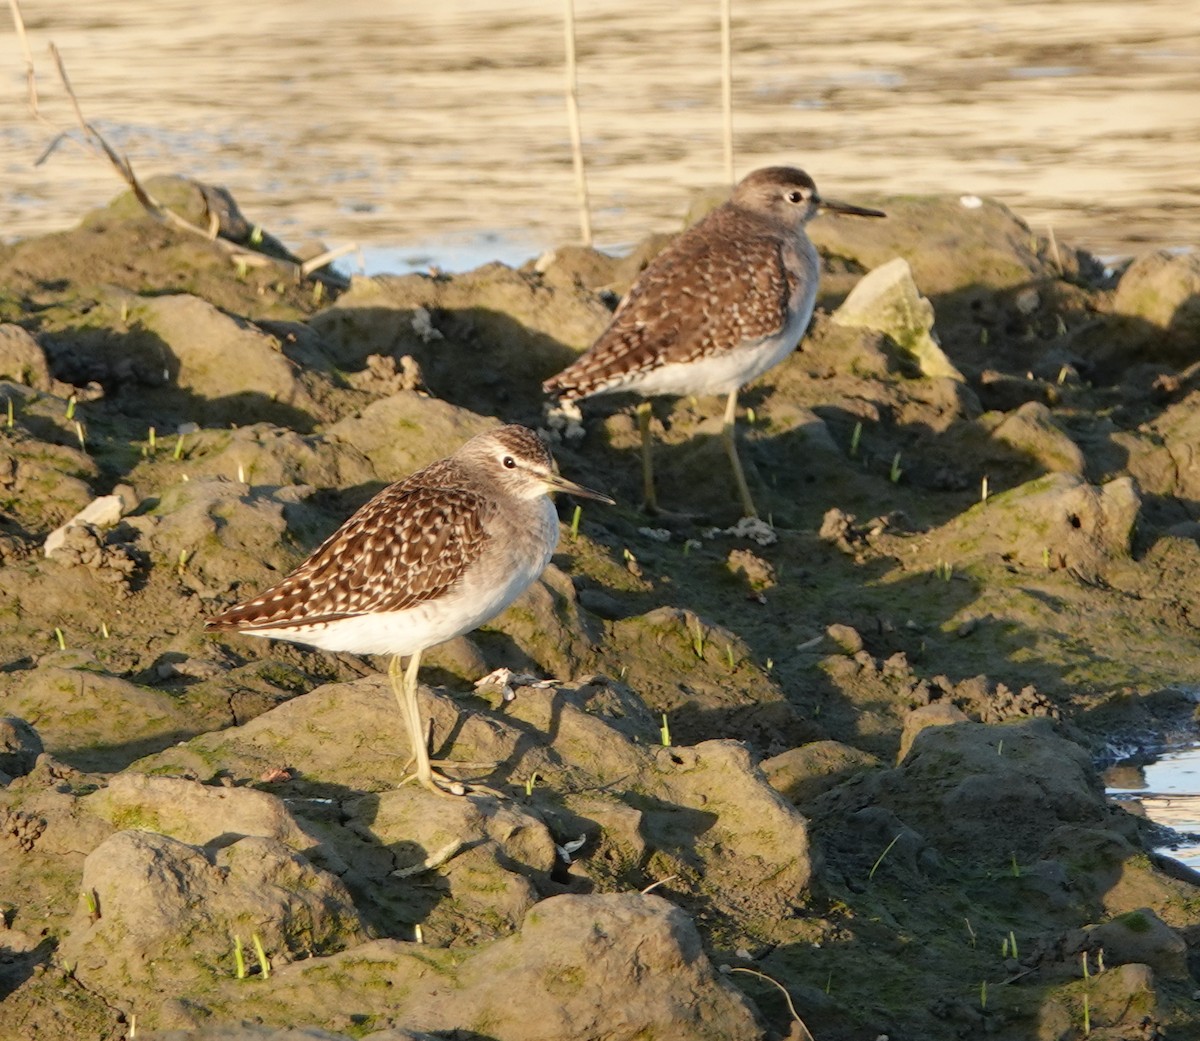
{"points": [[1169, 790], [440, 130]]}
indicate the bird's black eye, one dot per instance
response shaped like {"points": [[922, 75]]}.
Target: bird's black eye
{"points": [[509, 462], [795, 196]]}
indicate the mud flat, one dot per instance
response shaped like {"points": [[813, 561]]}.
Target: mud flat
{"points": [[877, 785]]}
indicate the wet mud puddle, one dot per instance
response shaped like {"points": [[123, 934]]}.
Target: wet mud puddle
{"points": [[1168, 789]]}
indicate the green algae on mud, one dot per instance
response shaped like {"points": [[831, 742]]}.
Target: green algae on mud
{"points": [[1055, 611]]}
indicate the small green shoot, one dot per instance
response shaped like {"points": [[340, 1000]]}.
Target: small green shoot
{"points": [[1064, 372], [530, 781], [729, 659], [1087, 1017], [983, 995], [124, 311], [71, 403], [944, 570], [770, 664], [104, 630], [1046, 557], [242, 268], [983, 490], [178, 453], [1100, 960], [264, 963], [829, 982], [81, 435], [11, 417], [318, 293], [241, 474], [665, 731], [93, 904], [239, 958], [184, 556], [62, 640], [575, 522], [887, 850], [256, 236], [1016, 868], [697, 635], [418, 933], [1000, 747], [152, 438], [1012, 945], [855, 438], [896, 472], [983, 337]]}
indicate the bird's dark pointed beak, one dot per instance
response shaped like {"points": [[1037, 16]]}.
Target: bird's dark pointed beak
{"points": [[558, 483], [833, 206]]}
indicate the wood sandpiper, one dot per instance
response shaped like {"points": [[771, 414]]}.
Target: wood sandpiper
{"points": [[727, 300], [429, 558]]}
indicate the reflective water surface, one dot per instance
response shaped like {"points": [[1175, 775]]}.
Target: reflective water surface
{"points": [[439, 130], [1169, 791]]}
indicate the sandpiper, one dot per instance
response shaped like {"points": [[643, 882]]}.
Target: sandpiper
{"points": [[727, 300], [427, 559]]}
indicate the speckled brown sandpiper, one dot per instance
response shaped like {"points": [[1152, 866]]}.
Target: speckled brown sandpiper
{"points": [[427, 559], [727, 300]]}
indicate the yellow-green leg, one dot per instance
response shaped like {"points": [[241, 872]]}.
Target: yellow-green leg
{"points": [[728, 435], [649, 499], [406, 688]]}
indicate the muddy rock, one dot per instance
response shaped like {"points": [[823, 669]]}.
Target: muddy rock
{"points": [[403, 432], [1032, 431], [938, 714], [47, 481], [166, 911], [969, 791], [1126, 1004], [19, 748], [1162, 456], [196, 341], [572, 955], [1058, 518], [498, 859], [574, 963], [111, 720], [191, 812], [22, 359], [1138, 936], [801, 774], [1161, 289]]}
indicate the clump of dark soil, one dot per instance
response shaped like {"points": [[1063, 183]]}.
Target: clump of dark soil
{"points": [[853, 752]]}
